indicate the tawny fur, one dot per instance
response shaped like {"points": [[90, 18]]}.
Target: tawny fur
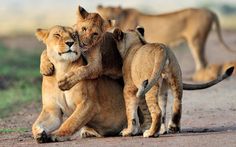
{"points": [[99, 48], [190, 25], [156, 63], [97, 103], [140, 60]]}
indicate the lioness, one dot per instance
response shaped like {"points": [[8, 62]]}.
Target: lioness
{"points": [[97, 103], [212, 71], [191, 25], [156, 62]]}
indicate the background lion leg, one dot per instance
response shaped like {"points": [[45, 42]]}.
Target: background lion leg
{"points": [[198, 52], [162, 101], [154, 110], [88, 132], [176, 89], [131, 103], [49, 120], [82, 114]]}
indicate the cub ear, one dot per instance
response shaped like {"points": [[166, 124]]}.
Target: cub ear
{"points": [[108, 24], [140, 30], [118, 34], [112, 22], [42, 34], [82, 13]]}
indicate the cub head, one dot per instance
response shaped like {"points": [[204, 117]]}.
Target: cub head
{"points": [[62, 43], [91, 28], [109, 12], [128, 39]]}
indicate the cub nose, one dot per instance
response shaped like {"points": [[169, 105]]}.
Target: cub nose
{"points": [[69, 43]]}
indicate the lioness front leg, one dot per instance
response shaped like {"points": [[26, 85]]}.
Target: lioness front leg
{"points": [[131, 104], [46, 67], [83, 113], [49, 120]]}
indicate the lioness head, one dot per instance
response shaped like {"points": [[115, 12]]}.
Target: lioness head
{"points": [[128, 39], [109, 12], [90, 27], [61, 42]]}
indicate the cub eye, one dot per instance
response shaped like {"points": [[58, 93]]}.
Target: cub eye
{"points": [[95, 34], [57, 35], [84, 29]]}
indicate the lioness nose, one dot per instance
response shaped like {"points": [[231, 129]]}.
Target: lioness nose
{"points": [[69, 43]]}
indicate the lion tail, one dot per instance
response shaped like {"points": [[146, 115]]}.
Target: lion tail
{"points": [[146, 85], [227, 74], [218, 31]]}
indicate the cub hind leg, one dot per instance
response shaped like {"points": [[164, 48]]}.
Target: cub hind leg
{"points": [[162, 101], [155, 111], [177, 92]]}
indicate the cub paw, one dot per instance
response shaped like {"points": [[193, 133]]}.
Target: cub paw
{"points": [[173, 129], [67, 82], [47, 69], [149, 133]]}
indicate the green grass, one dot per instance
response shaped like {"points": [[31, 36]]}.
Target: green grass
{"points": [[19, 79], [14, 130]]}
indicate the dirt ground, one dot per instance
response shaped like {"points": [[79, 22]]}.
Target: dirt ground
{"points": [[208, 119]]}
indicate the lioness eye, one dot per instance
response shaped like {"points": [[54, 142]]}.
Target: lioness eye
{"points": [[84, 29], [57, 35]]}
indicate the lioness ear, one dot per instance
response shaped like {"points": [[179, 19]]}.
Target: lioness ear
{"points": [[118, 34], [42, 34], [82, 13], [140, 30]]}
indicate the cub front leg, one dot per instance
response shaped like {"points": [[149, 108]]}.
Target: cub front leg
{"points": [[46, 67], [82, 114], [90, 71], [49, 120]]}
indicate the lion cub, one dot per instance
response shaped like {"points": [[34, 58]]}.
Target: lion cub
{"points": [[156, 62]]}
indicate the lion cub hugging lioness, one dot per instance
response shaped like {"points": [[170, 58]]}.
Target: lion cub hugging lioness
{"points": [[93, 103], [156, 62]]}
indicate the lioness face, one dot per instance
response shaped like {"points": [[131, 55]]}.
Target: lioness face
{"points": [[62, 43], [90, 27], [109, 12], [126, 40]]}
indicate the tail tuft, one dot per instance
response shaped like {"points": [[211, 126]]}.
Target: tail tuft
{"points": [[229, 71], [145, 83], [141, 89]]}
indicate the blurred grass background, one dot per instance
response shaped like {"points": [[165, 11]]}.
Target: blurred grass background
{"points": [[20, 81]]}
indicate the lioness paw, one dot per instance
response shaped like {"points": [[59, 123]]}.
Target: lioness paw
{"points": [[47, 69], [43, 138], [67, 82]]}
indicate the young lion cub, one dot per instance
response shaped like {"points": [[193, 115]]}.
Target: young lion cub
{"points": [[156, 62], [93, 103]]}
